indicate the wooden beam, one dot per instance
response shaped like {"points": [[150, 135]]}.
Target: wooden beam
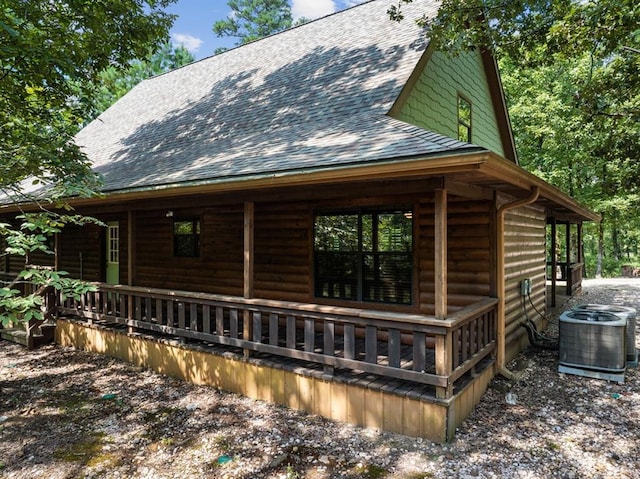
{"points": [[249, 212], [493, 248], [249, 234], [131, 221], [568, 259], [131, 246], [467, 190], [440, 263], [579, 240], [554, 261], [444, 363]]}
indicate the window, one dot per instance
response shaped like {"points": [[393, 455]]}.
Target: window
{"points": [[364, 256], [186, 238], [113, 247], [464, 119]]}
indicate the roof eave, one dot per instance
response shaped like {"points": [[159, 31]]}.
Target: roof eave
{"points": [[477, 159], [508, 172]]}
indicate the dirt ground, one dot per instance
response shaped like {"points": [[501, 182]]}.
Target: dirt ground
{"points": [[66, 413]]}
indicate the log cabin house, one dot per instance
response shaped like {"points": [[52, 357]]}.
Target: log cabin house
{"points": [[331, 218]]}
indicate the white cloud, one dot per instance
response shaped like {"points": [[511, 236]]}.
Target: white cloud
{"points": [[352, 3], [190, 42], [312, 9]]}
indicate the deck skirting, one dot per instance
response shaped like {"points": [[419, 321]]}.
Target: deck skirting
{"points": [[416, 415]]}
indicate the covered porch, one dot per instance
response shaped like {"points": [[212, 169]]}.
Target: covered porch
{"points": [[565, 260]]}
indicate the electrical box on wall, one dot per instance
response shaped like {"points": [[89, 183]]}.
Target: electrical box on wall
{"points": [[525, 287]]}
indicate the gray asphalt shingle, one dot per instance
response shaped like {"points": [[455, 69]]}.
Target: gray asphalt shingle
{"points": [[316, 96]]}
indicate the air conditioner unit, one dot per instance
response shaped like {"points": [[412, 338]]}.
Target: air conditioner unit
{"points": [[592, 344], [623, 312]]}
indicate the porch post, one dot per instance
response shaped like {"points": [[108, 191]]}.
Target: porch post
{"points": [[444, 344], [130, 255], [579, 245], [568, 259], [249, 213], [554, 261], [131, 246], [440, 257]]}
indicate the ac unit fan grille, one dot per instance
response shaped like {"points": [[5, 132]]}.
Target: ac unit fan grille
{"points": [[592, 340]]}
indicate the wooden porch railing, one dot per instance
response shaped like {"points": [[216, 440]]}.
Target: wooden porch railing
{"points": [[572, 273], [577, 272], [410, 347]]}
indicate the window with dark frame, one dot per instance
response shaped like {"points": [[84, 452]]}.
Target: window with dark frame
{"points": [[186, 238], [364, 255], [464, 119]]}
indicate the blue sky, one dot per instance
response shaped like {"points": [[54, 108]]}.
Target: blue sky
{"points": [[192, 28]]}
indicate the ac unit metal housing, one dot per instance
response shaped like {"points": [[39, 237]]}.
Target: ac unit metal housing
{"points": [[592, 344], [623, 312]]}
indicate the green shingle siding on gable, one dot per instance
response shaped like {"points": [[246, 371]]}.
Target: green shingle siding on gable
{"points": [[432, 103]]}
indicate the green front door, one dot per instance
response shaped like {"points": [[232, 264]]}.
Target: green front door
{"points": [[113, 252]]}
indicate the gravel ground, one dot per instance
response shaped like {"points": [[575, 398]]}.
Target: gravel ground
{"points": [[70, 414]]}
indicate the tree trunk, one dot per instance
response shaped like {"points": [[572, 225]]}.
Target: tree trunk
{"points": [[615, 239], [600, 248]]}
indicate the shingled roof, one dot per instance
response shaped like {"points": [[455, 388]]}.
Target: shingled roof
{"points": [[313, 97]]}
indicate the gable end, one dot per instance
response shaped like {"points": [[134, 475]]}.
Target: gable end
{"points": [[430, 99]]}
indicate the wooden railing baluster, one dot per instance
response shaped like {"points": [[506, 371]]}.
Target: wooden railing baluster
{"points": [[193, 317], [206, 319], [329, 348], [219, 321], [257, 327], [148, 314], [349, 341], [371, 344], [419, 351], [394, 348], [273, 329], [233, 317], [291, 332], [170, 322], [182, 323], [309, 335], [137, 314], [159, 312]]}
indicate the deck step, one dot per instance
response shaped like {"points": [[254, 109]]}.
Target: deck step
{"points": [[15, 335], [19, 335]]}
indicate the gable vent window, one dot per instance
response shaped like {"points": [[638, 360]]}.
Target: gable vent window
{"points": [[186, 238], [464, 119], [364, 256]]}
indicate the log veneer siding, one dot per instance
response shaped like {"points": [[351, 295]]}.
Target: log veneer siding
{"points": [[219, 268], [525, 257]]}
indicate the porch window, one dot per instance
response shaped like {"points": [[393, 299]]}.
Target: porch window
{"points": [[186, 238], [364, 256], [464, 119]]}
